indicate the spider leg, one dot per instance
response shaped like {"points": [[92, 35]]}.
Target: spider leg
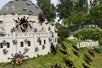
{"points": [[30, 26]]}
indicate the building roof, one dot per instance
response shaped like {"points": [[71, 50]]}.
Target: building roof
{"points": [[21, 7]]}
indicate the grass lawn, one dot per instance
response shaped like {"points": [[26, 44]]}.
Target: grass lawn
{"points": [[50, 59]]}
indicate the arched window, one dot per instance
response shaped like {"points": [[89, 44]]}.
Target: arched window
{"points": [[1, 21], [39, 40], [8, 45], [29, 43], [22, 44], [35, 30], [44, 41], [1, 45]]}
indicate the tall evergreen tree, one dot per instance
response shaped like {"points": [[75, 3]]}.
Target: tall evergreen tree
{"points": [[82, 6], [95, 15], [48, 9], [64, 8]]}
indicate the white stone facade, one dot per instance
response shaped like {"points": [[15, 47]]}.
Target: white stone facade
{"points": [[13, 42]]}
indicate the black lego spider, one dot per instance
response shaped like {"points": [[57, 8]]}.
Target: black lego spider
{"points": [[41, 18], [18, 58], [23, 23]]}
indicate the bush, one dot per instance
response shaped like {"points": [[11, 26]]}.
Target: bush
{"points": [[63, 32], [88, 33], [100, 41]]}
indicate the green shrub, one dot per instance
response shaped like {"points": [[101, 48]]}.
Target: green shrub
{"points": [[88, 33]]}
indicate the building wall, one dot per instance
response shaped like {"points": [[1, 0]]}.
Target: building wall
{"points": [[36, 48], [11, 50]]}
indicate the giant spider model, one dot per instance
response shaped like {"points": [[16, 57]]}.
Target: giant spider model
{"points": [[18, 58], [41, 18], [23, 23]]}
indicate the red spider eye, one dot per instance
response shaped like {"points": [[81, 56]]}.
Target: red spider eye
{"points": [[25, 25]]}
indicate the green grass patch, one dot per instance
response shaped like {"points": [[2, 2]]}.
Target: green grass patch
{"points": [[50, 59]]}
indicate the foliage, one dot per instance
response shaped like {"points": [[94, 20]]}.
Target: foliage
{"points": [[76, 20], [48, 9], [96, 15], [64, 8], [63, 32], [58, 25], [88, 33], [81, 19], [100, 41], [81, 5]]}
